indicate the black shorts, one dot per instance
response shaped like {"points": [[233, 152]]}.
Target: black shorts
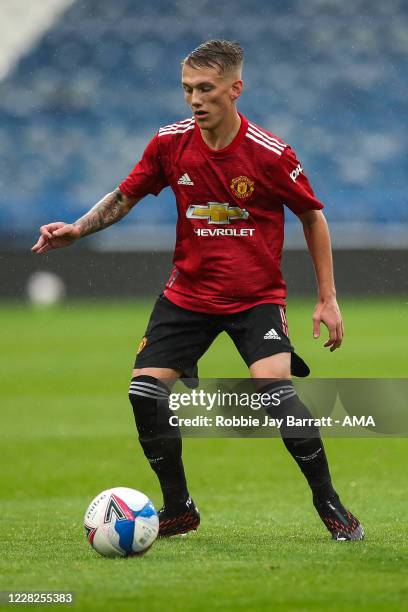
{"points": [[176, 338]]}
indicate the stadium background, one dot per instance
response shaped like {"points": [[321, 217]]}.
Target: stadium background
{"points": [[83, 86]]}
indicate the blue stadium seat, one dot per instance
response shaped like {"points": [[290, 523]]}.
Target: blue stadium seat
{"points": [[328, 77]]}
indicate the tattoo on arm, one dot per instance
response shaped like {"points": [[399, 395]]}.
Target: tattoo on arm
{"points": [[107, 211]]}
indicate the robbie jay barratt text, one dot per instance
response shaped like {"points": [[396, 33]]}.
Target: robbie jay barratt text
{"points": [[267, 421]]}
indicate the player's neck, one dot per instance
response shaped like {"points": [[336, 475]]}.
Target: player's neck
{"points": [[224, 134]]}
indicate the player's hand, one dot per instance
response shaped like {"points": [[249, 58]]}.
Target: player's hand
{"points": [[56, 235], [328, 312]]}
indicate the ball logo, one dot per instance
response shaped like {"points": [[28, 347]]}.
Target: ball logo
{"points": [[242, 187], [117, 507]]}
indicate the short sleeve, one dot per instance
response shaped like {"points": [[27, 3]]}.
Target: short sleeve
{"points": [[292, 186], [148, 175]]}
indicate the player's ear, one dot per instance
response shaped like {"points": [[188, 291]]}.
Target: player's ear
{"points": [[236, 89]]}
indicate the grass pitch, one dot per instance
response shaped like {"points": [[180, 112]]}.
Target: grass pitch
{"points": [[67, 432]]}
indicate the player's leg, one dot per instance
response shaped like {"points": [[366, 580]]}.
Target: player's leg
{"points": [[260, 335], [304, 444], [173, 342], [149, 392], [162, 445]]}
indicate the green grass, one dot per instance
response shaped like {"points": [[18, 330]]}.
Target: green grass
{"points": [[67, 432]]}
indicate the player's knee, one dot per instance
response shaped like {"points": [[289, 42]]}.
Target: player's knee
{"points": [[137, 372], [275, 366], [149, 398], [147, 390], [167, 375]]}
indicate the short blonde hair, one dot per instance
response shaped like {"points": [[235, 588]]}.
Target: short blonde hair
{"points": [[223, 55]]}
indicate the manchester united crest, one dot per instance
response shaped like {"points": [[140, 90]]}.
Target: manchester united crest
{"points": [[142, 344], [242, 187]]}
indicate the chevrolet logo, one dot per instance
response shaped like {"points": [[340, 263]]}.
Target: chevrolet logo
{"points": [[216, 213]]}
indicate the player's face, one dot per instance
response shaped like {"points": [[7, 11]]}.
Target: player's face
{"points": [[210, 95]]}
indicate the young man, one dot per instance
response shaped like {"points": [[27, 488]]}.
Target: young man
{"points": [[231, 179]]}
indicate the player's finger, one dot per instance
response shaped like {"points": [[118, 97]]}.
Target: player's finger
{"points": [[40, 243], [47, 246], [316, 328], [37, 245], [332, 336], [61, 231], [44, 249], [53, 226], [49, 229], [337, 343], [46, 230]]}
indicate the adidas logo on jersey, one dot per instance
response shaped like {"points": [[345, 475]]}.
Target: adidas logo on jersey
{"points": [[272, 335], [185, 180]]}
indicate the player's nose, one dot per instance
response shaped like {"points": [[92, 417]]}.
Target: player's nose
{"points": [[195, 101]]}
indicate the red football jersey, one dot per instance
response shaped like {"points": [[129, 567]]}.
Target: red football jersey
{"points": [[230, 205]]}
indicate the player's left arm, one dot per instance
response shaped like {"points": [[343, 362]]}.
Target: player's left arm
{"points": [[327, 310]]}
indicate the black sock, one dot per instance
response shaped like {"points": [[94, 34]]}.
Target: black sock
{"points": [[307, 447], [161, 442], [310, 456]]}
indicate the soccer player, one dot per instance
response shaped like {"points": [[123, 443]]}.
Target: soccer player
{"points": [[231, 179]]}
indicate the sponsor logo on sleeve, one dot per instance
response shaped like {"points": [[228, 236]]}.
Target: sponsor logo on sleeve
{"points": [[295, 173]]}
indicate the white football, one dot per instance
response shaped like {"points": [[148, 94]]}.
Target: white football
{"points": [[121, 522]]}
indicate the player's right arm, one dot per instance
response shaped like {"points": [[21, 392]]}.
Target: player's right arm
{"points": [[113, 207], [148, 176]]}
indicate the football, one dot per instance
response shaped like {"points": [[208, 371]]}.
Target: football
{"points": [[121, 522]]}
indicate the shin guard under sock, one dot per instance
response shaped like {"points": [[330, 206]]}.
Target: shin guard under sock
{"points": [[161, 442], [304, 443]]}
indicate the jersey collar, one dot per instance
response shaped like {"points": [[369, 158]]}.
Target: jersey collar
{"points": [[217, 153]]}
